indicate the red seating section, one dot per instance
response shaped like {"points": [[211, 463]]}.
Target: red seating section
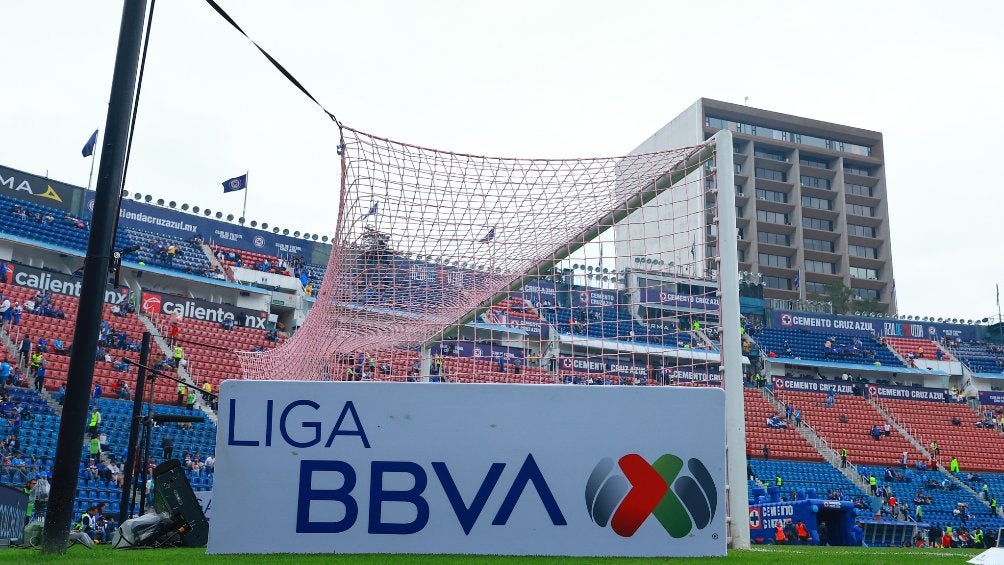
{"points": [[784, 444], [38, 326], [855, 435], [977, 449], [907, 345], [209, 349], [249, 259]]}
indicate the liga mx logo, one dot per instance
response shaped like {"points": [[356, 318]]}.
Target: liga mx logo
{"points": [[680, 502]]}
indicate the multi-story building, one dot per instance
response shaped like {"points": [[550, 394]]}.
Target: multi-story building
{"points": [[811, 199]]}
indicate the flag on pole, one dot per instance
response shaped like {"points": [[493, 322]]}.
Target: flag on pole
{"points": [[490, 236], [693, 248], [373, 211], [235, 184], [88, 149], [798, 278]]}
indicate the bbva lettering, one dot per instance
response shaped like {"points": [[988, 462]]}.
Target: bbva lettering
{"points": [[467, 515]]}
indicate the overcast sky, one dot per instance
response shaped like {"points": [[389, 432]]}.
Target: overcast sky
{"points": [[533, 79]]}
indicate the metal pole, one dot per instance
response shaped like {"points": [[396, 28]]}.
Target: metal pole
{"points": [[69, 445], [148, 427], [137, 415], [90, 176], [247, 185]]}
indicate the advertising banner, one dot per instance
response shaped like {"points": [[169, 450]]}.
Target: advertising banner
{"points": [[540, 293], [38, 190], [152, 302], [658, 297], [60, 283], [699, 373], [906, 392], [13, 509], [157, 219], [477, 350], [370, 467], [859, 325], [605, 365], [594, 297], [811, 385], [988, 398]]}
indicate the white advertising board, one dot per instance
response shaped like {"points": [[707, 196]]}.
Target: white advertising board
{"points": [[361, 467]]}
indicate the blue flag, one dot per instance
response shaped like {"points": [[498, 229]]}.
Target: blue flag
{"points": [[88, 149], [235, 184], [798, 278], [490, 236], [373, 211]]}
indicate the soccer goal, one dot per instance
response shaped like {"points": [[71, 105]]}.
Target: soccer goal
{"points": [[456, 268]]}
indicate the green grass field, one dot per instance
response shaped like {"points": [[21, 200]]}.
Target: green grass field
{"points": [[765, 555]]}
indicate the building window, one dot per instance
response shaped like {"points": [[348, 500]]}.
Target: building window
{"points": [[770, 174], [769, 154], [859, 210], [858, 170], [779, 135], [742, 255], [819, 245], [738, 167], [866, 293], [777, 282], [860, 231], [863, 251], [772, 217], [817, 224], [772, 260], [859, 189], [820, 267], [739, 211], [771, 195], [815, 182], [864, 273], [812, 287], [807, 161], [817, 203], [774, 238], [739, 190]]}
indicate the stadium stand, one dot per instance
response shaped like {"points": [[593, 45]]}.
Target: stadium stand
{"points": [[917, 348], [981, 358], [802, 475], [976, 448], [785, 444], [812, 347], [854, 435]]}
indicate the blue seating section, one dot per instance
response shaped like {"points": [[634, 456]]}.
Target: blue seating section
{"points": [[614, 323], [940, 510], [58, 232], [979, 357], [191, 259], [799, 475], [38, 446], [810, 346]]}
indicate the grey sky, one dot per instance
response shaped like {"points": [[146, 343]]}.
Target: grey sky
{"points": [[524, 78]]}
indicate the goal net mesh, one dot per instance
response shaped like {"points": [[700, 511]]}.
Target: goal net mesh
{"points": [[464, 268]]}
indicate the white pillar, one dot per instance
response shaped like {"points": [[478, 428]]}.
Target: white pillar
{"points": [[731, 362]]}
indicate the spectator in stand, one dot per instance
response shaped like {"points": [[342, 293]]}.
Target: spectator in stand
{"points": [[227, 324], [167, 445], [876, 432], [24, 352], [5, 371], [59, 347], [953, 467], [887, 430], [97, 392], [37, 360], [190, 402], [40, 376], [17, 311], [94, 422], [179, 354], [182, 393], [210, 464]]}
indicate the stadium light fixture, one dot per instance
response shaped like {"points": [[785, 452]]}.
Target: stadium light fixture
{"points": [[275, 230], [941, 320], [172, 204], [313, 237], [220, 215], [254, 223], [207, 212], [125, 193], [230, 217], [240, 220], [160, 202], [296, 234], [148, 198], [137, 196], [285, 232], [264, 225], [324, 239], [184, 207], [195, 209], [306, 235]]}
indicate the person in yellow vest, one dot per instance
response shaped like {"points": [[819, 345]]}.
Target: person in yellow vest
{"points": [[954, 466], [182, 393], [178, 354], [36, 362], [207, 389], [191, 400], [309, 290], [94, 421], [873, 484]]}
